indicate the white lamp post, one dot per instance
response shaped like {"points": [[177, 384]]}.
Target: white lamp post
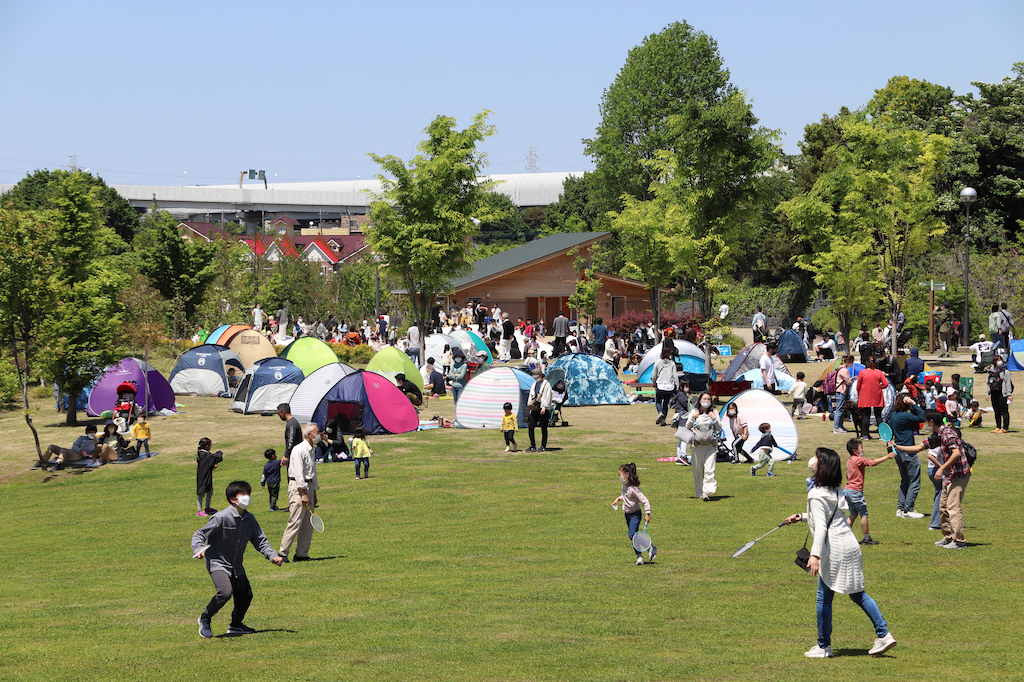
{"points": [[967, 197]]}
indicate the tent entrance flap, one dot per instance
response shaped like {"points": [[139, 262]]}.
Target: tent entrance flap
{"points": [[350, 412]]}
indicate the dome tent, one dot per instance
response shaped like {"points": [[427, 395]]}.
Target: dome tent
{"points": [[480, 405], [314, 387], [250, 345], [791, 347], [471, 343], [265, 385], [203, 370], [104, 393], [689, 354], [783, 380], [757, 407], [389, 361], [589, 380], [750, 358], [216, 334], [368, 399], [309, 354], [222, 335], [433, 346]]}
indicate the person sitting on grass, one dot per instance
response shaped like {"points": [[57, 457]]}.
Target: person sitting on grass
{"points": [[764, 449], [974, 415], [855, 484], [84, 447]]}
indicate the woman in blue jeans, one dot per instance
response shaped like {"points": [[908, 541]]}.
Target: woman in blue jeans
{"points": [[835, 556]]}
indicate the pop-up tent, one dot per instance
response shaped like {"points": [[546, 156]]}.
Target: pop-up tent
{"points": [[689, 354], [265, 385], [791, 347], [589, 380], [783, 381], [370, 400], [1015, 361], [759, 407], [433, 346], [750, 358], [479, 405], [104, 393], [471, 343], [309, 353], [314, 387], [203, 370], [390, 361], [250, 345], [216, 333]]}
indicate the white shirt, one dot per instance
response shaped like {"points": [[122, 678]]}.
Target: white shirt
{"points": [[302, 466], [826, 345], [257, 316], [979, 348], [768, 369]]}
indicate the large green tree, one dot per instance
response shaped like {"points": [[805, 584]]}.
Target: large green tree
{"points": [[423, 217], [661, 77]]}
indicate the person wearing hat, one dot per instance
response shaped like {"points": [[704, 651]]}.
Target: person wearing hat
{"points": [[944, 323], [539, 404], [982, 346]]}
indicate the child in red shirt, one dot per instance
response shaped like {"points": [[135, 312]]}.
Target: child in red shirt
{"points": [[855, 485]]}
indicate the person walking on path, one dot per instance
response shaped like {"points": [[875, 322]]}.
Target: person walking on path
{"points": [[994, 328], [257, 317], [302, 498], [953, 468], [705, 424], [944, 323], [835, 558], [999, 389], [1006, 326], [225, 537], [759, 325], [871, 383], [906, 417]]}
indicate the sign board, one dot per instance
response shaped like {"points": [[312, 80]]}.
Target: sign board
{"points": [[933, 285], [725, 349]]}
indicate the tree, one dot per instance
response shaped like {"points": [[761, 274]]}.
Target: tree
{"points": [[509, 227], [660, 78], [27, 244], [584, 298], [848, 273], [422, 219], [180, 269]]}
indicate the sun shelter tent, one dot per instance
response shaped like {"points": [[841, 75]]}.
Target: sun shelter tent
{"points": [[688, 354], [757, 407], [203, 370], [104, 393], [1015, 361], [750, 358], [589, 380], [265, 385], [251, 346], [480, 404], [791, 347], [390, 361], [314, 387], [309, 353], [471, 342], [369, 400], [783, 381], [433, 347], [216, 333]]}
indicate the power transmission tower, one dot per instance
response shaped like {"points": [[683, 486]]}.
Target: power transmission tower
{"points": [[532, 157], [73, 162]]}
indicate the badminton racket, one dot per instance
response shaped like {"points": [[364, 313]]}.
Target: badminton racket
{"points": [[885, 432], [750, 544], [641, 540], [315, 521], [200, 551]]}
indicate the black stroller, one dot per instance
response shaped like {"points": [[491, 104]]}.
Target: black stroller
{"points": [[559, 394]]}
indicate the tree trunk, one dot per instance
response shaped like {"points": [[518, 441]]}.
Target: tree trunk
{"points": [[35, 434], [22, 376], [72, 418]]}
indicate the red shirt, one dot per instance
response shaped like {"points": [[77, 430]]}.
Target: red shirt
{"points": [[855, 472], [870, 383]]}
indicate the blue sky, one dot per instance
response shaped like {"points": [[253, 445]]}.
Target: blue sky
{"points": [[143, 92]]}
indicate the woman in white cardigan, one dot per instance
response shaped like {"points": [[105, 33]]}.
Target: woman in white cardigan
{"points": [[835, 556]]}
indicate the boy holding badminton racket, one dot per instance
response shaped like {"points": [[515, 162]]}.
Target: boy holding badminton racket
{"points": [[855, 469], [222, 543], [631, 499]]}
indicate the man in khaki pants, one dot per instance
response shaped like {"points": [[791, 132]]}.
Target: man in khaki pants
{"points": [[302, 487]]}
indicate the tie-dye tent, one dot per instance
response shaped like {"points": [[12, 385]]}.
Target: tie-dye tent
{"points": [[589, 380]]}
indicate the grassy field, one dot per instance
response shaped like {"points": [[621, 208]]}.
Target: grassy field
{"points": [[458, 561]]}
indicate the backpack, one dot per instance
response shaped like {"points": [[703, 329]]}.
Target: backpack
{"points": [[829, 384], [970, 452]]}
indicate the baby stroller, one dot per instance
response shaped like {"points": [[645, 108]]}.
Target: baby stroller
{"points": [[126, 411], [559, 394]]}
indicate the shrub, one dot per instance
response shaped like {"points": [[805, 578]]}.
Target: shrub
{"points": [[353, 355], [9, 388], [628, 322]]}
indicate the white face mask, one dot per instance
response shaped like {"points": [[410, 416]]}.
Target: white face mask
{"points": [[243, 501], [705, 404], [316, 439]]}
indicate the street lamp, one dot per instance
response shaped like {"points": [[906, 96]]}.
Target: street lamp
{"points": [[967, 197]]}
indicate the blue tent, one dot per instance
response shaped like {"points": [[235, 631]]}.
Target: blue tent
{"points": [[369, 399], [203, 370], [688, 355], [265, 385], [1013, 363], [589, 380], [791, 347]]}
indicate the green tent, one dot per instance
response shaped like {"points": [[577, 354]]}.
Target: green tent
{"points": [[390, 361], [309, 354]]}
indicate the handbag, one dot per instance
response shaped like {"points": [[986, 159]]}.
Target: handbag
{"points": [[684, 434]]}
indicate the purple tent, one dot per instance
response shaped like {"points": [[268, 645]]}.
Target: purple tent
{"points": [[104, 393]]}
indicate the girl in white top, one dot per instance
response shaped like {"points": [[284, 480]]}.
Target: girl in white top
{"points": [[835, 556], [632, 499]]}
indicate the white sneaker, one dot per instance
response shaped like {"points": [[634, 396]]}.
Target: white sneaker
{"points": [[943, 542], [882, 644], [508, 448], [900, 514], [818, 652], [913, 515], [839, 432], [639, 560], [653, 552]]}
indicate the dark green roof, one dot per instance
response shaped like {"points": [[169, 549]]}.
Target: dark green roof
{"points": [[521, 256]]}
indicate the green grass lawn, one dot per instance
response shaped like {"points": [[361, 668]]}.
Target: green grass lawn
{"points": [[458, 561]]}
